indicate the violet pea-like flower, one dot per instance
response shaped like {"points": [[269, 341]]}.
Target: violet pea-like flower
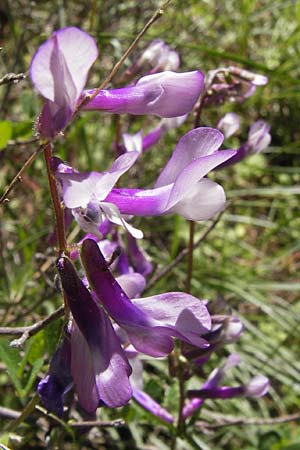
{"points": [[85, 194], [257, 387], [259, 138], [182, 186], [151, 322], [99, 366], [59, 71], [138, 142], [164, 94]]}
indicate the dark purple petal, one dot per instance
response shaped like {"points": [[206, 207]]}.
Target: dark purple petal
{"points": [[59, 380], [149, 328], [110, 365], [139, 259]]}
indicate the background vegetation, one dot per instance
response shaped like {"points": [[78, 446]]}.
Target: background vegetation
{"points": [[252, 257]]}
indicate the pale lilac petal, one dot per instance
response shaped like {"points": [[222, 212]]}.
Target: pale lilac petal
{"points": [[79, 52], [113, 214], [193, 172], [133, 142], [259, 137], [257, 387], [193, 145], [185, 314], [166, 94], [152, 53], [63, 84], [259, 80], [202, 203], [78, 188], [229, 124], [132, 284], [117, 169]]}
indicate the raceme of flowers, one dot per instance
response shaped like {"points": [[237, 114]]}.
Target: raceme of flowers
{"points": [[112, 329]]}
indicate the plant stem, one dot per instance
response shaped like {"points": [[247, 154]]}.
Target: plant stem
{"points": [[190, 256], [58, 210]]}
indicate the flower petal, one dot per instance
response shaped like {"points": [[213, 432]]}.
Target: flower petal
{"points": [[202, 203], [78, 188], [193, 145], [113, 214], [186, 182], [229, 124], [147, 331], [111, 368], [165, 94], [132, 283], [79, 52]]}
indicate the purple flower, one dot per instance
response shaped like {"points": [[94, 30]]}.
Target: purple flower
{"points": [[180, 188], [136, 142], [85, 193], [257, 387], [157, 57], [151, 322], [59, 71], [229, 124], [140, 396], [59, 380], [99, 366], [231, 83], [165, 94], [258, 139]]}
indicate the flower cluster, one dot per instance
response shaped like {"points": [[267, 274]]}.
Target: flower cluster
{"points": [[111, 326]]}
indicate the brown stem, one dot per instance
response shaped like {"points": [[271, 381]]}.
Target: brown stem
{"points": [[30, 330], [58, 210], [17, 178], [247, 421]]}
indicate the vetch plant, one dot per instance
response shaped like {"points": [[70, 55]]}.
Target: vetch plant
{"points": [[111, 331]]}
